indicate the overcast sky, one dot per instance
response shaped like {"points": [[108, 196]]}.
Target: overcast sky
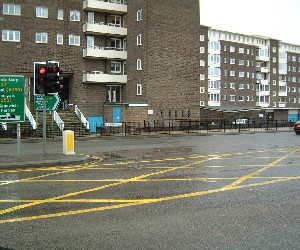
{"points": [[279, 19]]}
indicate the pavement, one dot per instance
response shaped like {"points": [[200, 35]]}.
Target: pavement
{"points": [[32, 153], [32, 150]]}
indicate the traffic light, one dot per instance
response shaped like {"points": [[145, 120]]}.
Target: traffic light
{"points": [[40, 78], [54, 84]]}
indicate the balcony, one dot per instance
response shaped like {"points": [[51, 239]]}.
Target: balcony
{"points": [[262, 69], [100, 77], [96, 52], [104, 29], [111, 6], [282, 104], [282, 83], [282, 93], [262, 58]]}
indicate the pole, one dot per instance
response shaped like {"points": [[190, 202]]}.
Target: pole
{"points": [[18, 140], [44, 127]]}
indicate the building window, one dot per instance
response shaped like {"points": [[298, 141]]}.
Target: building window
{"points": [[116, 43], [241, 74], [139, 15], [113, 94], [232, 49], [139, 64], [60, 14], [202, 63], [59, 39], [10, 36], [74, 15], [232, 73], [41, 37], [241, 50], [11, 9], [139, 39], [115, 67], [202, 90], [74, 40], [232, 61], [202, 50], [202, 38], [41, 11], [139, 89], [232, 98]]}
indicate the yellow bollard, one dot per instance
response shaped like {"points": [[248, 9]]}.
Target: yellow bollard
{"points": [[68, 142]]}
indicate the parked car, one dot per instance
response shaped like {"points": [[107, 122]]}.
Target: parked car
{"points": [[297, 127], [240, 121]]}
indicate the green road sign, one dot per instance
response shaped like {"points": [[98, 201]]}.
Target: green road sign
{"points": [[12, 98], [52, 102]]}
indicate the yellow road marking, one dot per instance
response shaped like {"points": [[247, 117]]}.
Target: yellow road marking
{"points": [[231, 186], [141, 202]]}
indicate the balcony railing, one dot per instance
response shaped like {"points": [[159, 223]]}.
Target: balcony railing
{"points": [[105, 52], [104, 29], [100, 77], [109, 6]]}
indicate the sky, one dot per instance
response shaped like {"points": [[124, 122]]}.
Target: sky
{"points": [[278, 19]]}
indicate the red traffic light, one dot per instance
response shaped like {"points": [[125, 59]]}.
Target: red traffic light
{"points": [[56, 69], [42, 70]]}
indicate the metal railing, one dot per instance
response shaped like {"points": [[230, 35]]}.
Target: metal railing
{"points": [[60, 123], [30, 117], [81, 117]]}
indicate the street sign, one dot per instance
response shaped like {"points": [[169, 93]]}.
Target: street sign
{"points": [[52, 102], [12, 98]]}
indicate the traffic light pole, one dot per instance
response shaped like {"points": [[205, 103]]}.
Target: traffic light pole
{"points": [[44, 126]]}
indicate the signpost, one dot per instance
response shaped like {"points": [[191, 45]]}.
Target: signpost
{"points": [[12, 99], [12, 102], [52, 102]]}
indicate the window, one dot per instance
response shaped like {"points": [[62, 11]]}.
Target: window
{"points": [[60, 14], [138, 64], [41, 11], [202, 76], [274, 49], [232, 73], [232, 85], [241, 86], [241, 50], [139, 15], [232, 98], [202, 50], [10, 36], [241, 74], [232, 49], [74, 15], [11, 9], [41, 37], [241, 62], [232, 61], [116, 43], [113, 94], [139, 39], [139, 89], [115, 67], [202, 38], [74, 40], [59, 39], [202, 63], [202, 90], [115, 21]]}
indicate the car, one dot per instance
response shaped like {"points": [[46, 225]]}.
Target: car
{"points": [[297, 127]]}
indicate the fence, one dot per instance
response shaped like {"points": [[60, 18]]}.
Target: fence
{"points": [[191, 126], [174, 127]]}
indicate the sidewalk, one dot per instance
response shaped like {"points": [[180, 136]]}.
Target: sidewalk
{"points": [[32, 154]]}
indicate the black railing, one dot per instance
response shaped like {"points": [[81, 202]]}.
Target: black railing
{"points": [[164, 127]]}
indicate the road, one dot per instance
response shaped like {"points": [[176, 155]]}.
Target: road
{"points": [[178, 192]]}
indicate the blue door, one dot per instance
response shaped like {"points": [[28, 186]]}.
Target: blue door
{"points": [[95, 121], [117, 116]]}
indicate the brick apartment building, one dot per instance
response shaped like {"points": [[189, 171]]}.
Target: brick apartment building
{"points": [[248, 76], [123, 60], [139, 60]]}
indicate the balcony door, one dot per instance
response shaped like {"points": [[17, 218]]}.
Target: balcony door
{"points": [[90, 41]]}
